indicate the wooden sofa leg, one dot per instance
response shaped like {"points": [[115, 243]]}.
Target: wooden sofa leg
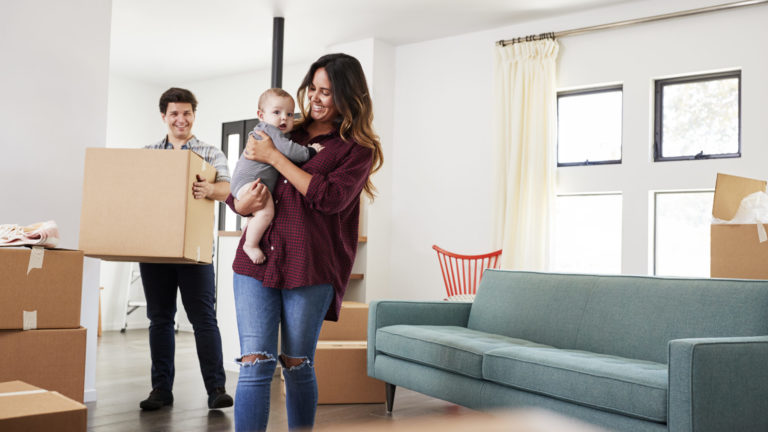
{"points": [[390, 396]]}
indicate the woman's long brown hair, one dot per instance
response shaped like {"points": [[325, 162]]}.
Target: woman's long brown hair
{"points": [[353, 101]]}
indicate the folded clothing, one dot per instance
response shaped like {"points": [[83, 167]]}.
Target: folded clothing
{"points": [[44, 234]]}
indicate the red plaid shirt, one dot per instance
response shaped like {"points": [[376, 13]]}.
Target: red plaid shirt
{"points": [[313, 240]]}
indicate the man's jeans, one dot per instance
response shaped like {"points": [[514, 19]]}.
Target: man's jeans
{"points": [[196, 285]]}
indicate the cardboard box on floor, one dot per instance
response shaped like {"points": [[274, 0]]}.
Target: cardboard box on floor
{"points": [[351, 326], [736, 251], [342, 376], [40, 288], [341, 361], [138, 206], [24, 408], [50, 359]]}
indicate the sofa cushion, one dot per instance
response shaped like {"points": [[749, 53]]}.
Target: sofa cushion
{"points": [[455, 349], [632, 387]]}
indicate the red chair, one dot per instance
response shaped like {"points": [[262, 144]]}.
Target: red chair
{"points": [[462, 273]]}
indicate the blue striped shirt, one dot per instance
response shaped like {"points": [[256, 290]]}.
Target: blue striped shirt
{"points": [[209, 153]]}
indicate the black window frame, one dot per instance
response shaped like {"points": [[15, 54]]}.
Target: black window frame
{"points": [[659, 115], [582, 92]]}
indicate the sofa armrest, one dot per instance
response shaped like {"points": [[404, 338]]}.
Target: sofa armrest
{"points": [[382, 313], [718, 384]]}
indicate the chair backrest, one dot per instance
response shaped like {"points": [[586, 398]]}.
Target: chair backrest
{"points": [[462, 273]]}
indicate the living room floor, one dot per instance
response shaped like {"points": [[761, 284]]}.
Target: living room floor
{"points": [[122, 380]]}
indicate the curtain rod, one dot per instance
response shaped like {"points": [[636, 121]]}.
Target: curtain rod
{"points": [[678, 14]]}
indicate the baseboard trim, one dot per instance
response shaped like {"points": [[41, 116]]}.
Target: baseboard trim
{"points": [[90, 395]]}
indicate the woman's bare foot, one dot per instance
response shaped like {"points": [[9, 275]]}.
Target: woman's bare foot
{"points": [[255, 254]]}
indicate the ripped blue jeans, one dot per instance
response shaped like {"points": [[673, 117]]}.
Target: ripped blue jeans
{"points": [[299, 313]]}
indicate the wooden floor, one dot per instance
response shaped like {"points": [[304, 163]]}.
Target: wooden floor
{"points": [[123, 379]]}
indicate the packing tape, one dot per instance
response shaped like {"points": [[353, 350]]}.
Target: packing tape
{"points": [[761, 233], [35, 258], [29, 320], [202, 166], [25, 392], [198, 254]]}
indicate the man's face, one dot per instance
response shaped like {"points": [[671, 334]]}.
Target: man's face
{"points": [[179, 117]]}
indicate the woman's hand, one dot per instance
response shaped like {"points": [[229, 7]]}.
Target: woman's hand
{"points": [[262, 150], [253, 200]]}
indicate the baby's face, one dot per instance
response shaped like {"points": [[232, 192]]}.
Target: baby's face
{"points": [[278, 111]]}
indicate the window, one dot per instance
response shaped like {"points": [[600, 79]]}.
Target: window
{"points": [[698, 117], [234, 135], [589, 126], [587, 234], [681, 225]]}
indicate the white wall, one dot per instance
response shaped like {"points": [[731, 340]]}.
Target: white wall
{"points": [[53, 81], [636, 56], [133, 121], [433, 102], [443, 97]]}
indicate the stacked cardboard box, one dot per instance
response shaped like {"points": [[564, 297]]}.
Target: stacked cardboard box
{"points": [[736, 250], [341, 361], [138, 206], [25, 407], [41, 341]]}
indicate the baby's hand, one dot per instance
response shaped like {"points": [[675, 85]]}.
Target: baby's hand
{"points": [[317, 146]]}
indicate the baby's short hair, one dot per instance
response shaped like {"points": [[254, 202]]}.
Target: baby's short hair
{"points": [[278, 92]]}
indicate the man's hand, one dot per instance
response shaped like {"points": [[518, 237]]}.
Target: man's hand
{"points": [[202, 188], [253, 200]]}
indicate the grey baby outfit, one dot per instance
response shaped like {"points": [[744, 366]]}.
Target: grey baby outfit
{"points": [[247, 170]]}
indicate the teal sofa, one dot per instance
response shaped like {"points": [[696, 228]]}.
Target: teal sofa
{"points": [[628, 353]]}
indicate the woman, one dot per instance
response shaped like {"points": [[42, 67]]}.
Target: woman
{"points": [[311, 244]]}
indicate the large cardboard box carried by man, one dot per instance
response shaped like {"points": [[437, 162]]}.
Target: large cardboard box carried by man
{"points": [[40, 288], [138, 206], [24, 407], [736, 248]]}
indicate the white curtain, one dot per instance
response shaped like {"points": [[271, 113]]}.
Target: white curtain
{"points": [[525, 140]]}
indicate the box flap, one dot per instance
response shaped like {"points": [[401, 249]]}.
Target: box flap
{"points": [[198, 245], [341, 344], [729, 191], [16, 386]]}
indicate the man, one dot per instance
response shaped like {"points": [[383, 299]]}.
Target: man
{"points": [[195, 282]]}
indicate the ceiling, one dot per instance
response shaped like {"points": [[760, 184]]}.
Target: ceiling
{"points": [[157, 41]]}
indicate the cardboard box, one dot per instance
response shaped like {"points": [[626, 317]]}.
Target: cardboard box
{"points": [[40, 288], [736, 251], [342, 376], [50, 359], [351, 326], [138, 206], [25, 408]]}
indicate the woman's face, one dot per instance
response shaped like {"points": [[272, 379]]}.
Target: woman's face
{"points": [[321, 106]]}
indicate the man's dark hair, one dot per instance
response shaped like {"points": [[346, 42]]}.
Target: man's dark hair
{"points": [[175, 94]]}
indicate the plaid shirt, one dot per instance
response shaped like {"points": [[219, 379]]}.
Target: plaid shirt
{"points": [[313, 240], [209, 153]]}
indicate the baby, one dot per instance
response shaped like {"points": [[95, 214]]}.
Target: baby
{"points": [[276, 120]]}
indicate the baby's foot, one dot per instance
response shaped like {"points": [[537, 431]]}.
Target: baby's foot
{"points": [[255, 254]]}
